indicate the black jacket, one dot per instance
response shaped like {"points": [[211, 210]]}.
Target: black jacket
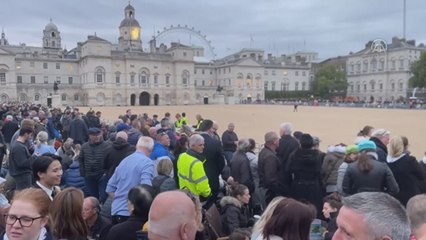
{"points": [[228, 141], [378, 179], [215, 162], [126, 230], [241, 171], [234, 215], [120, 149], [78, 131], [381, 149], [286, 147], [332, 226], [92, 158], [100, 229]]}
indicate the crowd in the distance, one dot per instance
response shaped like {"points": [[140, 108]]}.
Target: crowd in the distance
{"points": [[69, 175]]}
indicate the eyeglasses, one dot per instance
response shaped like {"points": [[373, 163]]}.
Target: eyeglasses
{"points": [[23, 221]]}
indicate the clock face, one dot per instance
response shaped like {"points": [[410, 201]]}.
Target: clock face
{"points": [[70, 67], [134, 34]]}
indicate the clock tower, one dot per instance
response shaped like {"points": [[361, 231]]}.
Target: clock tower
{"points": [[130, 30]]}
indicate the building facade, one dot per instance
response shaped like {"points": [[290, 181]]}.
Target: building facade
{"points": [[381, 71]]}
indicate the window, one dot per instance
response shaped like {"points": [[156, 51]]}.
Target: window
{"points": [[393, 64], [76, 97], [351, 87], [143, 78], [382, 65], [202, 71], [393, 86], [266, 73], [2, 78], [365, 66], [296, 86], [211, 71], [132, 79], [381, 86], [265, 86], [185, 78], [45, 65], [365, 87], [58, 80], [373, 65], [303, 73], [296, 73], [195, 82], [37, 97], [70, 80], [99, 75], [58, 66], [32, 64], [358, 67], [303, 86], [401, 86], [33, 80], [358, 88], [19, 79], [46, 80], [401, 63], [273, 72], [195, 71], [64, 97], [155, 79], [373, 85], [184, 54], [273, 86], [167, 80]]}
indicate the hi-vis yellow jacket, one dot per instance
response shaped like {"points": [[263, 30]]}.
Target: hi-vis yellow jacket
{"points": [[192, 176]]}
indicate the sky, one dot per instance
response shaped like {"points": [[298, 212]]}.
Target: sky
{"points": [[330, 27]]}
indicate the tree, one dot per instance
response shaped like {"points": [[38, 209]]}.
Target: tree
{"points": [[418, 69], [329, 82]]}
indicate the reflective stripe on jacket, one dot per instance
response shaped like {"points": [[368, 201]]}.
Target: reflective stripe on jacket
{"points": [[192, 176]]}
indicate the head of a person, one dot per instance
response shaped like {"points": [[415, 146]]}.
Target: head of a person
{"points": [[286, 128], [165, 123], [178, 116], [95, 135], [42, 137], [416, 211], [121, 135], [381, 134], [240, 234], [139, 200], [26, 132], [240, 192], [395, 146], [165, 167], [372, 215], [65, 214], [297, 135], [27, 123], [266, 215], [196, 143], [317, 141], [28, 214], [215, 127], [291, 219], [153, 132], [366, 131], [198, 117], [332, 203], [306, 141], [167, 222], [129, 112], [405, 142], [145, 145], [272, 140], [252, 145], [47, 169], [351, 153], [243, 145], [366, 146], [163, 139], [207, 126], [91, 209], [231, 127]]}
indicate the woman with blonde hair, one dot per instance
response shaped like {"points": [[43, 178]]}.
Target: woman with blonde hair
{"points": [[65, 213], [42, 146], [28, 216], [405, 169]]}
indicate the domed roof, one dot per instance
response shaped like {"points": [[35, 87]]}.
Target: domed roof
{"points": [[129, 7], [51, 26], [129, 22]]}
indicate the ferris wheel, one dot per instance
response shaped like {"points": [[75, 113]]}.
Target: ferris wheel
{"points": [[188, 36]]}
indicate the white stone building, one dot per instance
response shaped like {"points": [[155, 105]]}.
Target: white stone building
{"points": [[98, 72], [377, 76]]}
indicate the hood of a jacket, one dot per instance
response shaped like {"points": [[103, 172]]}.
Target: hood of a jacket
{"points": [[228, 200], [391, 159], [120, 144]]}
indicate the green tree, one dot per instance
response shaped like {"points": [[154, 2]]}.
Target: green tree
{"points": [[418, 69], [329, 82]]}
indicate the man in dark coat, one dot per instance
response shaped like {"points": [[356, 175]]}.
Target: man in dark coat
{"points": [[269, 168], [381, 138], [78, 129], [9, 128], [229, 142], [98, 226], [120, 149], [240, 166], [287, 145], [215, 162]]}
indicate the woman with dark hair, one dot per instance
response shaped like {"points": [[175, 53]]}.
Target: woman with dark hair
{"points": [[235, 212], [66, 218], [332, 205], [368, 174], [139, 202], [291, 220], [28, 216], [304, 173], [47, 171]]}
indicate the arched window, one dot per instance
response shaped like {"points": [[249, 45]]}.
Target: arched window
{"points": [[37, 97], [144, 78], [99, 75], [185, 78], [296, 86]]}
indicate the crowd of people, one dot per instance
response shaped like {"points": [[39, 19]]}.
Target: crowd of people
{"points": [[69, 175]]}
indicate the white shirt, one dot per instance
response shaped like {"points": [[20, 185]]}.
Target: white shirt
{"points": [[47, 190]]}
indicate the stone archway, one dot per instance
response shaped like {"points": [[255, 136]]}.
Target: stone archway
{"points": [[156, 99], [144, 99], [132, 99]]}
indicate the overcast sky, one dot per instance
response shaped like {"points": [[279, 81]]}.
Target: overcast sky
{"points": [[329, 27]]}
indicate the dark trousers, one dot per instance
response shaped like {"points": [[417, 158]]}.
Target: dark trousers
{"points": [[96, 186], [23, 181]]}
